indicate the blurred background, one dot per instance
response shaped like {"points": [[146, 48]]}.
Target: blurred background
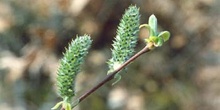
{"points": [[184, 74]]}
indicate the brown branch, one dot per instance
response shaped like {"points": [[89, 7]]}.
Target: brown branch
{"points": [[109, 77]]}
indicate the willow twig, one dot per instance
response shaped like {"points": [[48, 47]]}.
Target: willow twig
{"points": [[110, 76]]}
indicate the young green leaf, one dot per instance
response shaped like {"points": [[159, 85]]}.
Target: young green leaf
{"points": [[57, 105], [153, 25], [158, 42], [165, 35], [156, 39]]}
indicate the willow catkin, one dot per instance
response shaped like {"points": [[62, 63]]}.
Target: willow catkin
{"points": [[70, 65], [126, 38]]}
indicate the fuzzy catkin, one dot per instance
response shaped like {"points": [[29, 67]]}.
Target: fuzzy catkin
{"points": [[70, 65], [126, 38]]}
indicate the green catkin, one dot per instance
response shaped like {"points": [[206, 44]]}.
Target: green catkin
{"points": [[70, 66], [126, 38]]}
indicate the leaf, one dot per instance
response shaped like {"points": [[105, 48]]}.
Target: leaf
{"points": [[57, 105], [148, 27], [117, 77], [68, 106], [165, 35], [145, 25], [153, 39], [159, 42], [153, 24]]}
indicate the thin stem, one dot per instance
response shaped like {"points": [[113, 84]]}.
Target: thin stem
{"points": [[109, 77]]}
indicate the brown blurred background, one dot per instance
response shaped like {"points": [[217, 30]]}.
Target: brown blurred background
{"points": [[184, 74]]}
